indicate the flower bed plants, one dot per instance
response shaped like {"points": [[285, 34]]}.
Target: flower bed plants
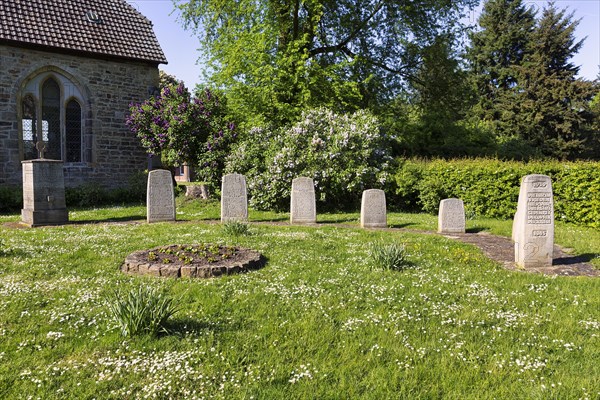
{"points": [[192, 261]]}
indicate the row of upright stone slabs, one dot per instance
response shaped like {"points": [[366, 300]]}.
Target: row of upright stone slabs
{"points": [[303, 210], [533, 226]]}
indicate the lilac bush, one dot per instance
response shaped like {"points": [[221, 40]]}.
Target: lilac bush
{"points": [[184, 130], [344, 154]]}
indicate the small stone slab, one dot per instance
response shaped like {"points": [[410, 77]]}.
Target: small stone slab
{"points": [[234, 199], [533, 226], [160, 199], [451, 217], [43, 193], [303, 208], [373, 212]]}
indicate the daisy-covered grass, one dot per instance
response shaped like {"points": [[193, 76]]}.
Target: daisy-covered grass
{"points": [[318, 321]]}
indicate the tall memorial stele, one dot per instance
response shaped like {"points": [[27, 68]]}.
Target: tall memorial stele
{"points": [[533, 226], [43, 192]]}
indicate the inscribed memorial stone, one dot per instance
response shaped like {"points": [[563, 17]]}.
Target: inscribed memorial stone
{"points": [[234, 199], [372, 209], [303, 208], [451, 217], [533, 226], [160, 200], [43, 193]]}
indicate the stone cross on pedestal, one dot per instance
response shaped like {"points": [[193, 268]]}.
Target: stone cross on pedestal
{"points": [[41, 148]]}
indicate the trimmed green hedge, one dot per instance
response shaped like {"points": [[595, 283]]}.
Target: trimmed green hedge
{"points": [[490, 188]]}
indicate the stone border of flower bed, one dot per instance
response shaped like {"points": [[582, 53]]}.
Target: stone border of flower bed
{"points": [[137, 263]]}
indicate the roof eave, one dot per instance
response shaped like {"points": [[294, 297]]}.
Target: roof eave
{"points": [[91, 54]]}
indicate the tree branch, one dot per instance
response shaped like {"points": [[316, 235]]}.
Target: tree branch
{"points": [[350, 37]]}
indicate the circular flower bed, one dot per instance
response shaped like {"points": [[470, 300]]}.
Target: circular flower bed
{"points": [[192, 261]]}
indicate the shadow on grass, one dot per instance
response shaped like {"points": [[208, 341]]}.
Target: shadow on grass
{"points": [[475, 229], [340, 220], [14, 253], [578, 259], [189, 326], [254, 218], [128, 218], [400, 226]]}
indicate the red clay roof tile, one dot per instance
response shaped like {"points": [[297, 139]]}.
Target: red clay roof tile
{"points": [[63, 25]]}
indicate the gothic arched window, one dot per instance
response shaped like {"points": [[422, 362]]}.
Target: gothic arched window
{"points": [[52, 111]]}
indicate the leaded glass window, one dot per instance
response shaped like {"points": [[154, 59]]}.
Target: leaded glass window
{"points": [[73, 131], [51, 118], [29, 122]]}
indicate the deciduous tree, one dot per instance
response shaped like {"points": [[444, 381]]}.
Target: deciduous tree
{"points": [[279, 57]]}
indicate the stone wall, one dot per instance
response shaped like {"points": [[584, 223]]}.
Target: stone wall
{"points": [[113, 153]]}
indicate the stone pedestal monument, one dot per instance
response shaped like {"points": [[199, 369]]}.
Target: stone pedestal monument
{"points": [[533, 226], [43, 193]]}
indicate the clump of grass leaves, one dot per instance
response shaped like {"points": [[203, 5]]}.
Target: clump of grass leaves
{"points": [[388, 256], [141, 310], [236, 228]]}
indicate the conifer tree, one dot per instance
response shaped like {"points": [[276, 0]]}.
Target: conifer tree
{"points": [[551, 104], [500, 45]]}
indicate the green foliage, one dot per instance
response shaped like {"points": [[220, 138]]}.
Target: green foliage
{"points": [[92, 195], [529, 96], [343, 154], [500, 45], [277, 59], [11, 198], [490, 188], [185, 129], [388, 256], [236, 228], [142, 310]]}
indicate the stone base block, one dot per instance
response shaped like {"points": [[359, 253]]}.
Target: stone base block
{"points": [[45, 217]]}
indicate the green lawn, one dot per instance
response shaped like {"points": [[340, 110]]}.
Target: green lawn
{"points": [[317, 322]]}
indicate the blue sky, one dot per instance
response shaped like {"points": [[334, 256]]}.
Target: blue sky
{"points": [[180, 47]]}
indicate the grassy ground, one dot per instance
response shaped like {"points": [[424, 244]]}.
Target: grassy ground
{"points": [[318, 321]]}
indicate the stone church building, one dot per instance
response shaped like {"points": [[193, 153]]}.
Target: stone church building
{"points": [[68, 71]]}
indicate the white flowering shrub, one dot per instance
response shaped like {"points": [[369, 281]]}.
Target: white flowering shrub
{"points": [[343, 154]]}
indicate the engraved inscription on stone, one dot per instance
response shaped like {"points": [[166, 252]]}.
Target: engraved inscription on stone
{"points": [[451, 216], [539, 207], [160, 199], [373, 212], [303, 203], [234, 199], [533, 226]]}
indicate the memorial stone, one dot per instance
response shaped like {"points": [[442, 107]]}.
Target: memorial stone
{"points": [[234, 199], [43, 193], [160, 199], [303, 208], [451, 217], [533, 226], [372, 209]]}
